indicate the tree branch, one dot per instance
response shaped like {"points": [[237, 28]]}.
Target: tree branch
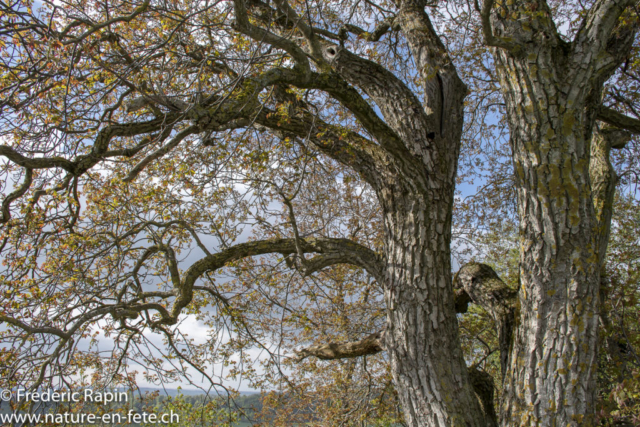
{"points": [[261, 35], [352, 253], [19, 192], [599, 23], [372, 344], [386, 136], [160, 152], [444, 90], [619, 120], [487, 28], [400, 107], [350, 98], [602, 39], [34, 330], [345, 146], [486, 289]]}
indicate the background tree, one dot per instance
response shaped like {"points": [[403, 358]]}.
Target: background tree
{"points": [[143, 142]]}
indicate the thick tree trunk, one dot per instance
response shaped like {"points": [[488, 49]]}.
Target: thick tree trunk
{"points": [[422, 331], [551, 374], [552, 92], [550, 379], [417, 198]]}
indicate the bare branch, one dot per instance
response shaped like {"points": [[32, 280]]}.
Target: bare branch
{"points": [[619, 120], [19, 192], [160, 152], [353, 253], [372, 344], [31, 330], [36, 163]]}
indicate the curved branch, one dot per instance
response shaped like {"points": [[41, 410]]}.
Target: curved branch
{"points": [[19, 192], [351, 99], [99, 150], [352, 252], [34, 330], [345, 146], [399, 106], [36, 163], [486, 289], [160, 152], [237, 111]]}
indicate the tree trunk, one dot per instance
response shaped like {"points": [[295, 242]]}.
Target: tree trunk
{"points": [[552, 92], [551, 375], [416, 194], [422, 330]]}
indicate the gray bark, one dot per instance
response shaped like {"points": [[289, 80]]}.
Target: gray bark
{"points": [[552, 93], [486, 289], [422, 332]]}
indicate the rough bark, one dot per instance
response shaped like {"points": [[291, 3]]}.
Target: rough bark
{"points": [[422, 332], [552, 91], [484, 288], [372, 344], [484, 388], [422, 336], [603, 182]]}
